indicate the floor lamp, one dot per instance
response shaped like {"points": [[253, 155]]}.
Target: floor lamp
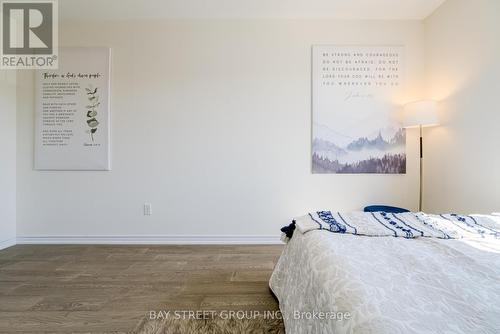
{"points": [[420, 114]]}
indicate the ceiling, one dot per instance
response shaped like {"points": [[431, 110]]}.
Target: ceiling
{"points": [[247, 9]]}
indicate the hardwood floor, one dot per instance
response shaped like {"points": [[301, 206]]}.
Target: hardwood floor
{"points": [[109, 289]]}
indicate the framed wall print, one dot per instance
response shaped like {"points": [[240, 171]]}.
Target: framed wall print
{"points": [[72, 121], [354, 95]]}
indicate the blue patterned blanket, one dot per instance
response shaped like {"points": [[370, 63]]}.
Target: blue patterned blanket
{"points": [[405, 225]]}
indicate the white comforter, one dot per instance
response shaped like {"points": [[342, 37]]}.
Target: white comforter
{"points": [[388, 285]]}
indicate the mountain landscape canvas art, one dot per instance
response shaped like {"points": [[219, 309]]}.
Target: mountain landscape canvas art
{"points": [[354, 110]]}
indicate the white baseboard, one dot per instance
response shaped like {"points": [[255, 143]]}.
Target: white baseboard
{"points": [[152, 240], [7, 243]]}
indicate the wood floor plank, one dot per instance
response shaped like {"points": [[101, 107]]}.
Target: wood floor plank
{"points": [[258, 302], [17, 303], [68, 322], [68, 303], [7, 286], [34, 276], [251, 276]]}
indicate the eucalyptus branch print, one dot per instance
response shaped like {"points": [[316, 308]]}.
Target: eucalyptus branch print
{"points": [[92, 108]]}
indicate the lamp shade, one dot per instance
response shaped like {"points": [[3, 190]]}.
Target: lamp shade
{"points": [[420, 113]]}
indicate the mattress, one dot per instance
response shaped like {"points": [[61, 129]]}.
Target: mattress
{"points": [[340, 283]]}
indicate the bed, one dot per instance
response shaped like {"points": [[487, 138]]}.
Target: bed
{"points": [[330, 280]]}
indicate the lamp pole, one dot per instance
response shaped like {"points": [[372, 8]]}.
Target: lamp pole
{"points": [[421, 170], [420, 114]]}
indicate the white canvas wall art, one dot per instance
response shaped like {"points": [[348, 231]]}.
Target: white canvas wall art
{"points": [[72, 130], [355, 92]]}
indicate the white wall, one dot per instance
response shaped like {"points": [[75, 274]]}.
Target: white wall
{"points": [[8, 158], [211, 123], [463, 72]]}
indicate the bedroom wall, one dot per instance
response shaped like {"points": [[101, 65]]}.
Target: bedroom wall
{"points": [[211, 123], [8, 159], [463, 71]]}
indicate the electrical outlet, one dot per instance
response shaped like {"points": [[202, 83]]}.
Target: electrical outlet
{"points": [[148, 210]]}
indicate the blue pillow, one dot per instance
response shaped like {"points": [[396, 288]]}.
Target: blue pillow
{"points": [[384, 208]]}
